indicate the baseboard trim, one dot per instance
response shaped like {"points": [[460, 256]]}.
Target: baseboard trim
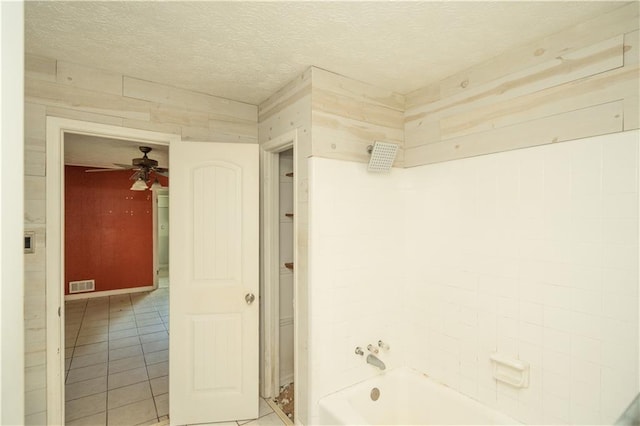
{"points": [[93, 294]]}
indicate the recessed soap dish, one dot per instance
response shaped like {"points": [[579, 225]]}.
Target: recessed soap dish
{"points": [[511, 371]]}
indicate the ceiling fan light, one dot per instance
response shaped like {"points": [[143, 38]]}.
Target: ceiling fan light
{"points": [[156, 185], [139, 185]]}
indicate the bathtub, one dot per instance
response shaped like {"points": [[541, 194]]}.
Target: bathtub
{"points": [[406, 397]]}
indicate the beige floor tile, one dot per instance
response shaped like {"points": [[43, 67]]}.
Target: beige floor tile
{"points": [[87, 340], [143, 309], [93, 314], [92, 331], [123, 333], [264, 408], [121, 313], [149, 322], [128, 394], [156, 357], [126, 364], [89, 323], [86, 373], [119, 326], [123, 343], [268, 420], [150, 329], [127, 319], [155, 346], [133, 414], [160, 385], [147, 316], [86, 406], [85, 388], [160, 335], [70, 329], [126, 352], [87, 360], [94, 420], [128, 377], [158, 370], [162, 404], [91, 349]]}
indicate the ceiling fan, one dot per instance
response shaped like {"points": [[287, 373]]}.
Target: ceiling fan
{"points": [[143, 167]]}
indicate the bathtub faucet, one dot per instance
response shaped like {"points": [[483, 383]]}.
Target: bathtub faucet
{"points": [[375, 361]]}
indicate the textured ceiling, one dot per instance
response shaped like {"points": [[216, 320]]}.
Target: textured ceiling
{"points": [[247, 50]]}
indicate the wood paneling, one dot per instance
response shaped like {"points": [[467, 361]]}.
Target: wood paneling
{"points": [[284, 98], [348, 115], [63, 96], [582, 123], [619, 21], [187, 100], [39, 68], [564, 81], [89, 78]]}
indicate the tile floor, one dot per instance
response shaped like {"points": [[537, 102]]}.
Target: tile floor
{"points": [[117, 359], [117, 362]]}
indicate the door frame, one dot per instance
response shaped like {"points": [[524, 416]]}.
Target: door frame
{"points": [[55, 315], [155, 239], [270, 262]]}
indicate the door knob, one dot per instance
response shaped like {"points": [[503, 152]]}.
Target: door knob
{"points": [[249, 298]]}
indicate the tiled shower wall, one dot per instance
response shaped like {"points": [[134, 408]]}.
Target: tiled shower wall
{"points": [[532, 253], [356, 273]]}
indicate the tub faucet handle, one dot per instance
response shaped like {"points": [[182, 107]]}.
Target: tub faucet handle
{"points": [[359, 351], [383, 345], [372, 349]]}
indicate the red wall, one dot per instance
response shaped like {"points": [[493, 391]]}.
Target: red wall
{"points": [[108, 230]]}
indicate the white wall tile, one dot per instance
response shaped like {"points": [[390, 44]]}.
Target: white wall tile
{"points": [[531, 253]]}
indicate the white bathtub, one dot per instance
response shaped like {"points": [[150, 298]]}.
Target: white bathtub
{"points": [[406, 398]]}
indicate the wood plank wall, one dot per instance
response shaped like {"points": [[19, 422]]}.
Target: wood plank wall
{"points": [[61, 89], [581, 82], [348, 115]]}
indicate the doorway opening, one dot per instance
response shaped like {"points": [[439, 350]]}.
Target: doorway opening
{"points": [[116, 322], [285, 397], [111, 341], [278, 273]]}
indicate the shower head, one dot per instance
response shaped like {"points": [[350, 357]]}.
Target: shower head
{"points": [[382, 156]]}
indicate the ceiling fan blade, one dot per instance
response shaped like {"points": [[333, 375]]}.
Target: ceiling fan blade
{"points": [[101, 170], [161, 171], [124, 166]]}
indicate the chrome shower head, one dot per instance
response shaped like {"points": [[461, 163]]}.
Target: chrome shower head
{"points": [[382, 156]]}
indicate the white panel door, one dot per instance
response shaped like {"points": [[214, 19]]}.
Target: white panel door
{"points": [[213, 353]]}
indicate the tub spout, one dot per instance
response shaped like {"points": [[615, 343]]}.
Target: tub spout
{"points": [[375, 361]]}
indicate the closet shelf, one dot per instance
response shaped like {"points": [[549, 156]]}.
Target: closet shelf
{"points": [[289, 265], [290, 174], [288, 214]]}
